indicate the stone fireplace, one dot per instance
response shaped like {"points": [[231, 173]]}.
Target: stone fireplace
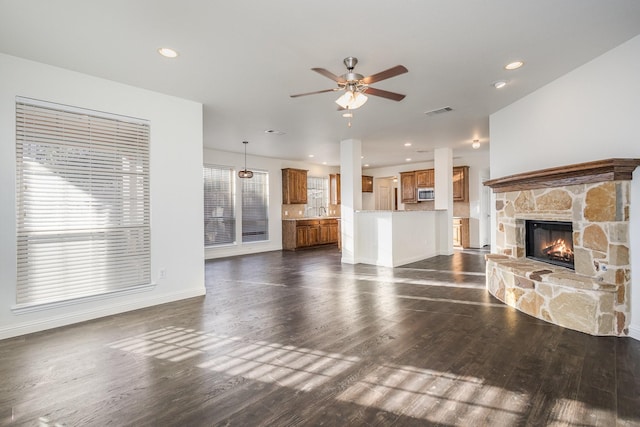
{"points": [[594, 199]]}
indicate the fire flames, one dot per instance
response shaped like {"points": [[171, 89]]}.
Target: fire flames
{"points": [[559, 250]]}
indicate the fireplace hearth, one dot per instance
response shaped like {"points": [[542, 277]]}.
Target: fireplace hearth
{"points": [[550, 242]]}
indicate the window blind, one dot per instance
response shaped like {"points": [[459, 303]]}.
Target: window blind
{"points": [[219, 213], [82, 203], [317, 196], [255, 207]]}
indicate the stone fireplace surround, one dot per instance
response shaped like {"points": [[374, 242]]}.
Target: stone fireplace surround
{"points": [[594, 196]]}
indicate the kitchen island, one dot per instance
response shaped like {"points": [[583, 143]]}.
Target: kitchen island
{"points": [[393, 238]]}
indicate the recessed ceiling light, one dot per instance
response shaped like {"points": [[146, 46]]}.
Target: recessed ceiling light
{"points": [[362, 157], [366, 165], [167, 52], [499, 84], [311, 155], [408, 159], [324, 163], [407, 144], [476, 144], [514, 65], [274, 132]]}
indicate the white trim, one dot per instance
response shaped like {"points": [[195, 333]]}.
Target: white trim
{"points": [[82, 316], [634, 332]]}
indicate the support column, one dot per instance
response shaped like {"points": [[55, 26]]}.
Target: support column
{"points": [[443, 161], [350, 197]]}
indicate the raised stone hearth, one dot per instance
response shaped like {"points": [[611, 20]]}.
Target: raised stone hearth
{"points": [[595, 198]]}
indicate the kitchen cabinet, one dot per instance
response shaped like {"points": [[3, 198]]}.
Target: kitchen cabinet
{"points": [[294, 186], [308, 232], [367, 184], [461, 232], [408, 187], [425, 178], [334, 189], [461, 184], [411, 181]]}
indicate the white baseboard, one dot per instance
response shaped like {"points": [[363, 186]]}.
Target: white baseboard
{"points": [[84, 315], [634, 332]]}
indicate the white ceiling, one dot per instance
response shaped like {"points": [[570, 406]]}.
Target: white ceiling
{"points": [[242, 60]]}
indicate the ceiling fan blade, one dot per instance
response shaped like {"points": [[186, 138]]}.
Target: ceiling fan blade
{"points": [[385, 94], [386, 74], [313, 93], [330, 75]]}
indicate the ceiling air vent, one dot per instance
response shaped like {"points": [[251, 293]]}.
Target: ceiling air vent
{"points": [[439, 111]]}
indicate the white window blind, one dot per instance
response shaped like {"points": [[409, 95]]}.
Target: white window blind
{"points": [[219, 213], [82, 203], [317, 196], [255, 207]]}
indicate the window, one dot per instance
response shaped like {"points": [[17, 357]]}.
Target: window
{"points": [[317, 196], [82, 199], [219, 214], [255, 207]]}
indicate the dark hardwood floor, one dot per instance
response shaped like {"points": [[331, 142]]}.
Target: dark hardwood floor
{"points": [[297, 338]]}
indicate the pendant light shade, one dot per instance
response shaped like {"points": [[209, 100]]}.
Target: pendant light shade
{"points": [[245, 173], [351, 100]]}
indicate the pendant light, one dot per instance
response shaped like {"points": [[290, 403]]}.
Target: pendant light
{"points": [[245, 173]]}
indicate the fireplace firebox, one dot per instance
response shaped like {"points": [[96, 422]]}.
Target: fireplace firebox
{"points": [[550, 242]]}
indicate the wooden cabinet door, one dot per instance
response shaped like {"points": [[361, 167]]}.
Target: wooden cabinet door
{"points": [[408, 187], [460, 184], [323, 234], [424, 178], [367, 184], [302, 236], [333, 232], [294, 186], [457, 233], [334, 189], [313, 235]]}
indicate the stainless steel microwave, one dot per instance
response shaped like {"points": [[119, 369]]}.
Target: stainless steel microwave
{"points": [[426, 194]]}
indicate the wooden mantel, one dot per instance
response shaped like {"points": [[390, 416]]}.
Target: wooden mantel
{"points": [[580, 173]]}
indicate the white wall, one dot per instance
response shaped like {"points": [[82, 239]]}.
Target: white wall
{"points": [[588, 114], [274, 168], [176, 188]]}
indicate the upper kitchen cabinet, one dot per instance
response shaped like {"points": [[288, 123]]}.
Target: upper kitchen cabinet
{"points": [[334, 189], [367, 184], [425, 179], [408, 186], [461, 184], [294, 186]]}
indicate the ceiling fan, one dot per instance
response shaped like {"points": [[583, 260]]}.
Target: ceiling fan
{"points": [[356, 85]]}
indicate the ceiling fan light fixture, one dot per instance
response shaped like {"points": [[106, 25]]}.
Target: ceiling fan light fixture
{"points": [[352, 100]]}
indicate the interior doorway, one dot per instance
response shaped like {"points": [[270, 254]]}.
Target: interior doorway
{"points": [[385, 194]]}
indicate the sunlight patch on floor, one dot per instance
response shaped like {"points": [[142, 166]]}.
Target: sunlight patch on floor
{"points": [[285, 365], [435, 396]]}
